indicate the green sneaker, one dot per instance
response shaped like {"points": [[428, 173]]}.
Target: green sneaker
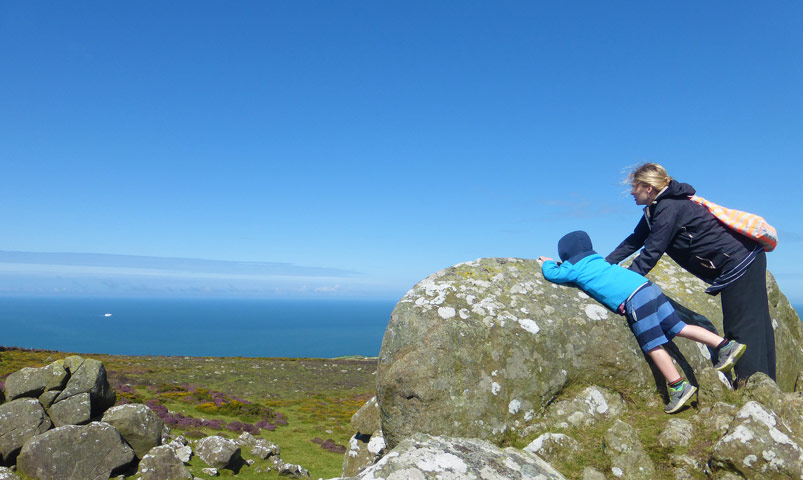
{"points": [[729, 355], [678, 398]]}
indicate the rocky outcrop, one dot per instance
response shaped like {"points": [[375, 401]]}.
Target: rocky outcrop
{"points": [[32, 382], [7, 474], [758, 445], [368, 444], [20, 420], [87, 376], [482, 348], [75, 452], [162, 463], [428, 457], [628, 457], [218, 452], [490, 350], [138, 425], [68, 394]]}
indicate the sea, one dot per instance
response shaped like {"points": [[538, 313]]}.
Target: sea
{"points": [[196, 327]]}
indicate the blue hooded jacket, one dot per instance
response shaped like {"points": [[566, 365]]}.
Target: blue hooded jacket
{"points": [[609, 284]]}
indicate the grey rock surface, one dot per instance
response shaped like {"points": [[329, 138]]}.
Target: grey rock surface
{"points": [[88, 375], [32, 382], [553, 446], [217, 451], [138, 425], [363, 451], [678, 433], [75, 452], [161, 463], [74, 410], [759, 446], [368, 443], [20, 420], [629, 460], [425, 457], [366, 419], [292, 470], [7, 474], [484, 347]]}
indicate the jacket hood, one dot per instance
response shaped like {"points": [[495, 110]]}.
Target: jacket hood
{"points": [[575, 246], [676, 189]]}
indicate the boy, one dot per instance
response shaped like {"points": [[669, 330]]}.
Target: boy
{"points": [[650, 315]]}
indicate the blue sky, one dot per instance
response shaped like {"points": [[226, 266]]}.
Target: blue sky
{"points": [[352, 148]]}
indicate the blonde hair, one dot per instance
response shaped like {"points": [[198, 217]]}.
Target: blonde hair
{"points": [[649, 174]]}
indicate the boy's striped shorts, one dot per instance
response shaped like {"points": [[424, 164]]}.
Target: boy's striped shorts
{"points": [[652, 318]]}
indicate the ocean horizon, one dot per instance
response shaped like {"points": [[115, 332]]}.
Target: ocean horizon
{"points": [[196, 327]]}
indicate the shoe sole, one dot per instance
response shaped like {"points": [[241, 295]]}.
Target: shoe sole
{"points": [[683, 400], [732, 359]]}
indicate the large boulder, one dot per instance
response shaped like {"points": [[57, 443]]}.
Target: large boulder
{"points": [[483, 347], [138, 424], [758, 445], [368, 443], [218, 452], [75, 410], [425, 457], [162, 463], [75, 452], [87, 375], [20, 420], [32, 382]]}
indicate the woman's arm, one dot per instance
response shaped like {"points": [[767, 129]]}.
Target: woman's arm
{"points": [[630, 244], [665, 226]]}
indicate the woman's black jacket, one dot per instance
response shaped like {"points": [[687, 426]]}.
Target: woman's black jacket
{"points": [[687, 232]]}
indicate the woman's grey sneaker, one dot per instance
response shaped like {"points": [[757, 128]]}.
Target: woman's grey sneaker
{"points": [[729, 355], [678, 398]]}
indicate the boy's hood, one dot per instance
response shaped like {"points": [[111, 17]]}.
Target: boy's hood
{"points": [[575, 246]]}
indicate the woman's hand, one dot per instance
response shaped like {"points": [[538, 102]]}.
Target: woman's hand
{"points": [[541, 260]]}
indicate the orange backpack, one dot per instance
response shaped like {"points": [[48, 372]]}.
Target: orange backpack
{"points": [[751, 226]]}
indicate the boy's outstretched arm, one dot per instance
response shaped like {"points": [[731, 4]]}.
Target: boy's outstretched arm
{"points": [[553, 272]]}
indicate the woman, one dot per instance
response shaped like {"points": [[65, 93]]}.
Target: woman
{"points": [[733, 265]]}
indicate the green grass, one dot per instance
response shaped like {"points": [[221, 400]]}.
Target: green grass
{"points": [[317, 396]]}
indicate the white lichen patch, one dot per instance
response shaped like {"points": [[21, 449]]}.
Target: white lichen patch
{"points": [[464, 313], [446, 312], [582, 295], [703, 350], [529, 325], [617, 472], [740, 434], [596, 312], [755, 411], [495, 388], [596, 402], [354, 447], [376, 444], [514, 406], [442, 462], [749, 460]]}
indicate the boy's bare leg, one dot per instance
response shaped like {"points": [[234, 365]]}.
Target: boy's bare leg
{"points": [[664, 363], [701, 335]]}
